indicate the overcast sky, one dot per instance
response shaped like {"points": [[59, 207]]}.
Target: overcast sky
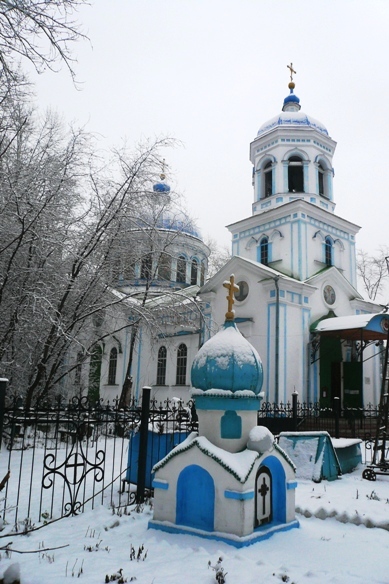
{"points": [[210, 72]]}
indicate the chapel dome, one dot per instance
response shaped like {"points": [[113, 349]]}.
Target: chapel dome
{"points": [[177, 220], [227, 361]]}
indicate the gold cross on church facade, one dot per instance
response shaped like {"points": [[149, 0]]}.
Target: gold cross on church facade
{"points": [[232, 288], [290, 67]]}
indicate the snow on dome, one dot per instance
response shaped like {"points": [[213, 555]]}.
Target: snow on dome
{"points": [[260, 439], [227, 361], [292, 118]]}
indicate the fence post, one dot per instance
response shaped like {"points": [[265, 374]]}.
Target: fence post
{"points": [[294, 410], [337, 413], [142, 457], [3, 387]]}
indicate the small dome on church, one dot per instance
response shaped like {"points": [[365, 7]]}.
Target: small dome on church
{"points": [[161, 187], [178, 221], [227, 361]]}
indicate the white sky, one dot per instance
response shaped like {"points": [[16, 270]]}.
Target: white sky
{"points": [[210, 72]]}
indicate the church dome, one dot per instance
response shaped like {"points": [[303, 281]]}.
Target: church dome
{"points": [[161, 187], [178, 221], [291, 116], [227, 361]]}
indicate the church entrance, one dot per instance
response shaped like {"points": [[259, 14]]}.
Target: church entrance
{"points": [[195, 498], [263, 497], [338, 378]]}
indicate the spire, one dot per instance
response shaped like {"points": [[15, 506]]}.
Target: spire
{"points": [[291, 102]]}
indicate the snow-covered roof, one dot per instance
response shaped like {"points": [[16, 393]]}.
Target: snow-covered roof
{"points": [[296, 119], [357, 326], [239, 464]]}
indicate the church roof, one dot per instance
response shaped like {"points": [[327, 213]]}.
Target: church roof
{"points": [[297, 119]]}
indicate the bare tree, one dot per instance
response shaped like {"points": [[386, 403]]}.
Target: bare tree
{"points": [[373, 271], [39, 31], [218, 257]]}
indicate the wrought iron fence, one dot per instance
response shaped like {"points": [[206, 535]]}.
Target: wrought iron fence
{"points": [[307, 417], [62, 458]]}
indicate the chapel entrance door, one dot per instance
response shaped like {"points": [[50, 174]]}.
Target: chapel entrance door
{"points": [[263, 497]]}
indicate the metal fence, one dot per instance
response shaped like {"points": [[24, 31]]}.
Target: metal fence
{"points": [[307, 417], [63, 458]]}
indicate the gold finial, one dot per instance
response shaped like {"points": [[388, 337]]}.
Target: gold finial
{"points": [[291, 84], [163, 175], [231, 287]]}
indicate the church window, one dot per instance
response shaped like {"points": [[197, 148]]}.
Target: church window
{"points": [[164, 271], [268, 179], [295, 175], [182, 357], [243, 291], [328, 251], [113, 361], [264, 251], [161, 366], [320, 171], [181, 270], [146, 267], [202, 275], [193, 272]]}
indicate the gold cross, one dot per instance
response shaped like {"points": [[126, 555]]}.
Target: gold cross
{"points": [[231, 287], [290, 67]]}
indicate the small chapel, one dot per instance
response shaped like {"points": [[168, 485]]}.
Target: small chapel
{"points": [[294, 261], [230, 481]]}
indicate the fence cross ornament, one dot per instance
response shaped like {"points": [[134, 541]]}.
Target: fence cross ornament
{"points": [[232, 288]]}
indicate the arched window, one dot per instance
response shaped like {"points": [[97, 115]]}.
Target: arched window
{"points": [[295, 175], [146, 267], [320, 171], [181, 270], [202, 275], [193, 272], [113, 361], [161, 366], [164, 271], [264, 251], [328, 251], [182, 356], [268, 179]]}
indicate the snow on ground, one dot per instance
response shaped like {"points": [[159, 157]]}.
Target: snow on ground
{"points": [[334, 550]]}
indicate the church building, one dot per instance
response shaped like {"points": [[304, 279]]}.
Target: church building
{"points": [[294, 261]]}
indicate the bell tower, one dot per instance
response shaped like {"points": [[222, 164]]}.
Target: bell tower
{"points": [[293, 227]]}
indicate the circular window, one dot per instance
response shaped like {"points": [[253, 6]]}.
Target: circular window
{"points": [[243, 291]]}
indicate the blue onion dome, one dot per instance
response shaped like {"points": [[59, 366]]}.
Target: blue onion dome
{"points": [[292, 115], [161, 187], [227, 361]]}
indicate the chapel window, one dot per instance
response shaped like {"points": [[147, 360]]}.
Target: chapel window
{"points": [[295, 175], [193, 272], [161, 366], [182, 356], [320, 171], [202, 275], [264, 251], [181, 270], [146, 267], [328, 251], [268, 179], [164, 267], [113, 360]]}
